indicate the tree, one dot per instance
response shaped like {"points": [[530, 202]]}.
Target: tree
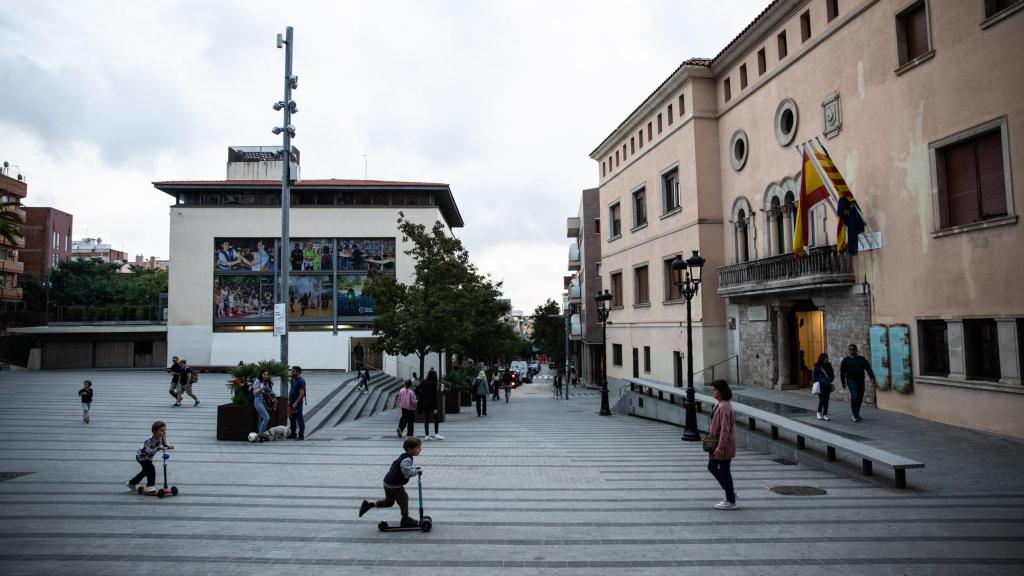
{"points": [[10, 222], [549, 331]]}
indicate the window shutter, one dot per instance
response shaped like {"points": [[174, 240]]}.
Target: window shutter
{"points": [[917, 32], [990, 175], [961, 184]]}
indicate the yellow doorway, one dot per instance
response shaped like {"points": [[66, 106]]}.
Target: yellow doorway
{"points": [[810, 343]]}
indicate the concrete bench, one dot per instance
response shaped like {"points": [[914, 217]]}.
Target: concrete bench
{"points": [[869, 455]]}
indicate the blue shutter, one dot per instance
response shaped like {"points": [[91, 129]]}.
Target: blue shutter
{"points": [[879, 338], [899, 359]]}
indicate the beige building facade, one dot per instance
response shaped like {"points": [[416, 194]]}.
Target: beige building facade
{"points": [[918, 105]]}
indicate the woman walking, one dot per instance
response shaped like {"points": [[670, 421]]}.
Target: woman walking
{"points": [[823, 375], [260, 388], [407, 402], [480, 391], [723, 426]]}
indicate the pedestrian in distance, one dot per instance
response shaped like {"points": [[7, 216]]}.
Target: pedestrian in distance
{"points": [[723, 426], [144, 456], [364, 380], [823, 376], [508, 386], [186, 377], [402, 469], [175, 371], [407, 402], [428, 405], [296, 401], [86, 395], [558, 384], [851, 375], [480, 392], [359, 353], [573, 377], [496, 385], [261, 386]]}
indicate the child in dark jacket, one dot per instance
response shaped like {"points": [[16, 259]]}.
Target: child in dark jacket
{"points": [[398, 476], [144, 456], [86, 395]]}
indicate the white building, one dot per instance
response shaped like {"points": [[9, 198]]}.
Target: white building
{"points": [[224, 238]]}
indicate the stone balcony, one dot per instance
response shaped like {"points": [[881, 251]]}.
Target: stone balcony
{"points": [[822, 267], [12, 266], [572, 227], [574, 257], [575, 328]]}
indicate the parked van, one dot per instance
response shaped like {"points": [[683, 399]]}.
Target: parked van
{"points": [[520, 366]]}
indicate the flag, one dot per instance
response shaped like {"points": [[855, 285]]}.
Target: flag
{"points": [[851, 223], [812, 191]]}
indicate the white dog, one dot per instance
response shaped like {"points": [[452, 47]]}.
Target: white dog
{"points": [[277, 433]]}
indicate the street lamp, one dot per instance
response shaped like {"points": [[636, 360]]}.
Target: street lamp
{"points": [[603, 310], [287, 107], [688, 282]]}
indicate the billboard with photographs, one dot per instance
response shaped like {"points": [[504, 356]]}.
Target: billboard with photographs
{"points": [[366, 254], [243, 255], [351, 300], [243, 297], [310, 255], [310, 297]]}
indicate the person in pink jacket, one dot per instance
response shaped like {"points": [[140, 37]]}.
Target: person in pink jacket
{"points": [[723, 425], [407, 402]]}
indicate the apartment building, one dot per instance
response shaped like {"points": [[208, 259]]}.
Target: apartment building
{"points": [[12, 193], [47, 240], [585, 262], [916, 102]]}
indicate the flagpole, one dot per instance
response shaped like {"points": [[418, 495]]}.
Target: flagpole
{"points": [[868, 231]]}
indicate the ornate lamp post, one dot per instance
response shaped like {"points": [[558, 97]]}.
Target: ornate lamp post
{"points": [[688, 282], [603, 310]]}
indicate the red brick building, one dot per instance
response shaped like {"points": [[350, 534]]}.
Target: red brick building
{"points": [[47, 240], [12, 191]]}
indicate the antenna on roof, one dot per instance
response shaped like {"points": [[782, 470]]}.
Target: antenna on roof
{"points": [[365, 163]]}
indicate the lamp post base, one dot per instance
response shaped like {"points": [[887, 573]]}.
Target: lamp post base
{"points": [[690, 432], [605, 410]]}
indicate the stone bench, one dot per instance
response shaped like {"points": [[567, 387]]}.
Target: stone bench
{"points": [[869, 455]]}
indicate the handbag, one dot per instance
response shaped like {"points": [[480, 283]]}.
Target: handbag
{"points": [[709, 443], [816, 389]]}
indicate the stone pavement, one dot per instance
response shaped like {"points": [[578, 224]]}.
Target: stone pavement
{"points": [[539, 486]]}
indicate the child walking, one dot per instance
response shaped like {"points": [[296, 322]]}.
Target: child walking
{"points": [[86, 395], [398, 476], [144, 457]]}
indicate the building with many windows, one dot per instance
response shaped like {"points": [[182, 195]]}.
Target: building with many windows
{"points": [[47, 240], [585, 262], [225, 249], [920, 120], [12, 192]]}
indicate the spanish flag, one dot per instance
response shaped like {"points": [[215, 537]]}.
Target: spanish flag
{"points": [[812, 191], [851, 223]]}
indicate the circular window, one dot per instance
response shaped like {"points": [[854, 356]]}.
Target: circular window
{"points": [[786, 121], [738, 148]]}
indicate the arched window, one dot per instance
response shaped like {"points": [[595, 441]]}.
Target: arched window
{"points": [[778, 228], [742, 238]]}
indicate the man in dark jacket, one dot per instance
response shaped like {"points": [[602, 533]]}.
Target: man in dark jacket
{"points": [[851, 374], [428, 405]]}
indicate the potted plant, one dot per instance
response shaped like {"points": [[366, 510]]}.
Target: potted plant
{"points": [[237, 419]]}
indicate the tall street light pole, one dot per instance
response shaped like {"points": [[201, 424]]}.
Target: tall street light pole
{"points": [[688, 282], [288, 132], [603, 310]]}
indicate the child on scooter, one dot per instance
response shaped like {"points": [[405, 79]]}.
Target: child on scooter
{"points": [[395, 480], [144, 457]]}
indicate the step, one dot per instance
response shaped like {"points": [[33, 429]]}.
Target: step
{"points": [[356, 402], [326, 411], [384, 399]]}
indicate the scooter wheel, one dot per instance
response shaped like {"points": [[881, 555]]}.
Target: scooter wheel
{"points": [[160, 493], [382, 526], [141, 490], [425, 524], [174, 490]]}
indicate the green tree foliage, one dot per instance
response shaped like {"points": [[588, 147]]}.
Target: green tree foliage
{"points": [[549, 331], [93, 283], [10, 222]]}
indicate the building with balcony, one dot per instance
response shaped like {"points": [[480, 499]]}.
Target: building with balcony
{"points": [[47, 240], [12, 193], [584, 230], [89, 248], [920, 121]]}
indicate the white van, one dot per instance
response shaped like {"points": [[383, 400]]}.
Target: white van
{"points": [[519, 366]]}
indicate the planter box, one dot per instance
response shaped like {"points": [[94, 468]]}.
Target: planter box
{"points": [[236, 421], [465, 399], [451, 403]]}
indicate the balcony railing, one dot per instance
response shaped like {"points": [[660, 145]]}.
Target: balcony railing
{"points": [[574, 256], [821, 268], [12, 267], [574, 291], [10, 294], [575, 328], [572, 227], [106, 314]]}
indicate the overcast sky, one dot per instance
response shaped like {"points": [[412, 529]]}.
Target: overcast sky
{"points": [[502, 100]]}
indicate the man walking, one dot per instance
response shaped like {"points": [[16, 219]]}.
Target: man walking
{"points": [[185, 380], [175, 370], [296, 399], [358, 353], [851, 374]]}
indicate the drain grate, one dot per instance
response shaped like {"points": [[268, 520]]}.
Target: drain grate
{"points": [[785, 462], [798, 491], [356, 438], [12, 475]]}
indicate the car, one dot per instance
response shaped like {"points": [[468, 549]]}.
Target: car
{"points": [[535, 366], [519, 366]]}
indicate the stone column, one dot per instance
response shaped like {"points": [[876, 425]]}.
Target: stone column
{"points": [[787, 220], [782, 346], [769, 235], [736, 241]]}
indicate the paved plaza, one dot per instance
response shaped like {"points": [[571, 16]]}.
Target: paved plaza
{"points": [[539, 486]]}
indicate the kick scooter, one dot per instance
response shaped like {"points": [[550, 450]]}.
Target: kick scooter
{"points": [[424, 523], [165, 491]]}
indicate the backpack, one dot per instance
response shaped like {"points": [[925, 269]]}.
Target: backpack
{"points": [[195, 376]]}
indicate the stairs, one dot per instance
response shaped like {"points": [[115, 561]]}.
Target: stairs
{"points": [[347, 403]]}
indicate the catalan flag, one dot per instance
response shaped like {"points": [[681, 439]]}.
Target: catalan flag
{"points": [[851, 223], [812, 191]]}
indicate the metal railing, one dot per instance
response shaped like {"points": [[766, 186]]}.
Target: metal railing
{"points": [[823, 265], [735, 357], [111, 314]]}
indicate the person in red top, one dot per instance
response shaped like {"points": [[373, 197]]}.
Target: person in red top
{"points": [[723, 425]]}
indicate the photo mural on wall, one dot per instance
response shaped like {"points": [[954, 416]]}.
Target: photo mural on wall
{"points": [[351, 300], [310, 297], [243, 255], [241, 297]]}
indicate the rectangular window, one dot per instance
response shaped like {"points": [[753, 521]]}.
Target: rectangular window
{"points": [[640, 136], [632, 145], [762, 62], [669, 114], [682, 106], [617, 290], [616, 354], [597, 225], [600, 268], [641, 293], [981, 349], [603, 171], [671, 288], [640, 207], [636, 363], [659, 123], [932, 336], [616, 220], [970, 180], [647, 359], [610, 167], [805, 26], [912, 32], [832, 9], [670, 190], [993, 7], [650, 132], [728, 89], [616, 158], [743, 76], [623, 151], [782, 45]]}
